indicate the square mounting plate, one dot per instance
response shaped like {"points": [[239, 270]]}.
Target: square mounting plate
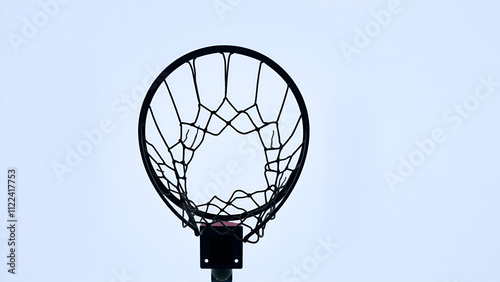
{"points": [[221, 250]]}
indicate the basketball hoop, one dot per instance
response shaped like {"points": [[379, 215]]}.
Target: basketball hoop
{"points": [[183, 109]]}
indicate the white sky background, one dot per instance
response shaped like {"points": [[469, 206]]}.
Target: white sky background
{"points": [[103, 221]]}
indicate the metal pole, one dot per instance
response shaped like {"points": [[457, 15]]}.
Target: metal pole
{"points": [[222, 275]]}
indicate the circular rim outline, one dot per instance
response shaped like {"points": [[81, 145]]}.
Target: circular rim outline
{"points": [[160, 187]]}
